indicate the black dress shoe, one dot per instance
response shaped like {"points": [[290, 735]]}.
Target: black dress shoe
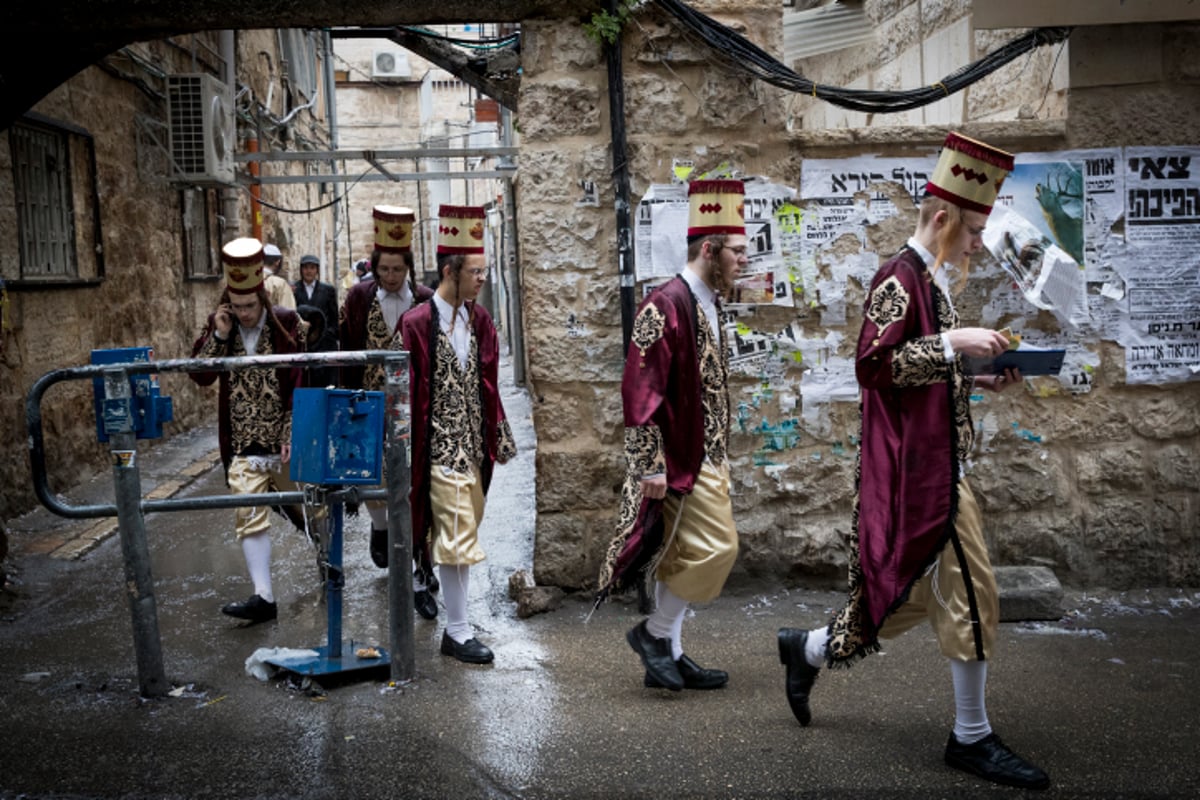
{"points": [[991, 760], [254, 609], [694, 676], [800, 674], [425, 605], [379, 547], [472, 651], [656, 657]]}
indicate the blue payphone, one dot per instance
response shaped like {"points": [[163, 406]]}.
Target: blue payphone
{"points": [[148, 410]]}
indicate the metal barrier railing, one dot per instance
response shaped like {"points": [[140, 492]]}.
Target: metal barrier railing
{"points": [[130, 506]]}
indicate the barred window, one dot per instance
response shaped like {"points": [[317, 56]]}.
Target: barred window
{"points": [[42, 178], [55, 203]]}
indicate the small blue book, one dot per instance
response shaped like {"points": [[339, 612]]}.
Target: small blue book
{"points": [[1029, 361]]}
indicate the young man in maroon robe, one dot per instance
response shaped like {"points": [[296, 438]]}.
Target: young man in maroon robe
{"points": [[676, 517], [459, 430], [254, 425], [919, 552], [370, 320]]}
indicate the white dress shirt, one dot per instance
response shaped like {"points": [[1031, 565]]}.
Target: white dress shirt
{"points": [[707, 298], [457, 327], [393, 304]]}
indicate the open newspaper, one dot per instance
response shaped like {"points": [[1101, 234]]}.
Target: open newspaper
{"points": [[1049, 278]]}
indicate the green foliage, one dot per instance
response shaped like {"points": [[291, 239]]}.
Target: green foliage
{"points": [[604, 28]]}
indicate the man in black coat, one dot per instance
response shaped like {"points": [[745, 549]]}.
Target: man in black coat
{"points": [[310, 291]]}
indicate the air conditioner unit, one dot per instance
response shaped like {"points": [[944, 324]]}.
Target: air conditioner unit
{"points": [[201, 129], [391, 63]]}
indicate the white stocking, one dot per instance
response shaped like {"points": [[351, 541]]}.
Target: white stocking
{"points": [[814, 648], [667, 620], [378, 517], [970, 710], [257, 550], [455, 580]]}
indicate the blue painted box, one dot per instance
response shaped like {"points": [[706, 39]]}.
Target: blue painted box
{"points": [[337, 437]]}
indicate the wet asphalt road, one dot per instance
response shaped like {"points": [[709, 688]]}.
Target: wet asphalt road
{"points": [[1106, 700]]}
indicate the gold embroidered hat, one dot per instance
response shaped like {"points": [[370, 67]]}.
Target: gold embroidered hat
{"points": [[243, 260], [460, 230], [393, 228], [969, 174], [716, 207]]}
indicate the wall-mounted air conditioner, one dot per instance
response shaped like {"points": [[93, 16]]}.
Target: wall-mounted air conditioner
{"points": [[390, 63], [201, 129]]}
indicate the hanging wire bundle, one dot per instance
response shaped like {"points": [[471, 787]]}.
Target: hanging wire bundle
{"points": [[744, 56], [482, 43]]}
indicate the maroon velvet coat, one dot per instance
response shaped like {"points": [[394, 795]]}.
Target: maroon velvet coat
{"points": [[420, 326], [352, 325], [661, 390], [908, 461], [289, 377], [662, 386]]}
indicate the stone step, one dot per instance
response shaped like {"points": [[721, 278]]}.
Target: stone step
{"points": [[1028, 593]]}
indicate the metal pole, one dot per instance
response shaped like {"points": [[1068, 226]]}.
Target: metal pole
{"points": [[331, 119], [510, 258], [334, 584], [398, 461], [616, 113], [118, 424]]}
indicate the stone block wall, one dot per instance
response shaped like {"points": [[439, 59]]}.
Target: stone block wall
{"points": [[1101, 486]]}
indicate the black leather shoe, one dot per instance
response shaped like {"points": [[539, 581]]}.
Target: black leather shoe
{"points": [[800, 674], [425, 605], [656, 657], [254, 609], [694, 676], [379, 547], [472, 651], [991, 760]]}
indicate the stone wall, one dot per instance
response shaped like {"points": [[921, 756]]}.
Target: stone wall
{"points": [[144, 297], [1105, 491]]}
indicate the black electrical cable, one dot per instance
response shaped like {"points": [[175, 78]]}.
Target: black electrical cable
{"points": [[483, 43], [314, 209], [747, 57]]}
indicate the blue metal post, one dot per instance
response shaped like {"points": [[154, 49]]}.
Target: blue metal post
{"points": [[333, 585]]}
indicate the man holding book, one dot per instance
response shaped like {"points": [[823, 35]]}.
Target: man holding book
{"points": [[918, 552]]}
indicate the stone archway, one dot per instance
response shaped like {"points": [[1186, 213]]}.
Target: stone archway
{"points": [[47, 43]]}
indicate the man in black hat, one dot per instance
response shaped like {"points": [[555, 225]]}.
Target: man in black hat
{"points": [[311, 291]]}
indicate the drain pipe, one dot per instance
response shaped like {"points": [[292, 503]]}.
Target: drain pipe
{"points": [[230, 224], [620, 176], [510, 258], [331, 120]]}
